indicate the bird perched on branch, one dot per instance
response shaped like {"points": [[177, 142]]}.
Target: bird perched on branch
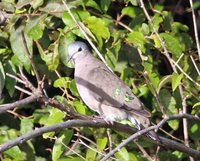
{"points": [[103, 92]]}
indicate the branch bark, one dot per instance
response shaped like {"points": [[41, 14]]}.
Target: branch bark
{"points": [[97, 123]]}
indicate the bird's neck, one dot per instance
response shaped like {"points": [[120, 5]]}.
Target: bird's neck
{"points": [[80, 59]]}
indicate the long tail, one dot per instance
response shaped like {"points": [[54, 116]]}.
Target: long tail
{"points": [[141, 123]]}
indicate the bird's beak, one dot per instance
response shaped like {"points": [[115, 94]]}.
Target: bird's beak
{"points": [[69, 58]]}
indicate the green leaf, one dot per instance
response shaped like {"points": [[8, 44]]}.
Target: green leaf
{"points": [[134, 2], [173, 45], [18, 46], [177, 27], [164, 80], [10, 82], [60, 143], [37, 3], [158, 7], [14, 152], [169, 103], [101, 143], [80, 107], [154, 77], [51, 58], [134, 157], [137, 39], [176, 80], [105, 4], [92, 3], [64, 42], [196, 105], [37, 31], [112, 53], [70, 158], [156, 41], [55, 6], [56, 116], [110, 59], [168, 20], [101, 32], [145, 29], [122, 155], [174, 124], [63, 82], [90, 154], [131, 11], [178, 154], [148, 65], [69, 22], [26, 125], [67, 19], [157, 20], [73, 88], [165, 154], [195, 131]]}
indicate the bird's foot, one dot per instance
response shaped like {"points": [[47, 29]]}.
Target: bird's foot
{"points": [[108, 119]]}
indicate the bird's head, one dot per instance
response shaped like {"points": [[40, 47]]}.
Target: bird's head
{"points": [[77, 49]]}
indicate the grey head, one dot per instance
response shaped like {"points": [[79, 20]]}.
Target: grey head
{"points": [[76, 49]]}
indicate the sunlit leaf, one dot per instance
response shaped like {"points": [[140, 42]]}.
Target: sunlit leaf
{"points": [[169, 103], [176, 80], [101, 32], [101, 143], [90, 154], [122, 154], [62, 82], [26, 125], [131, 11], [173, 45], [60, 143], [137, 39]]}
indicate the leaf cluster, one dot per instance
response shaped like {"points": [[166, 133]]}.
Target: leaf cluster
{"points": [[128, 42]]}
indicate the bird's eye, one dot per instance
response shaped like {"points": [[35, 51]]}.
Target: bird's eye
{"points": [[79, 49]]}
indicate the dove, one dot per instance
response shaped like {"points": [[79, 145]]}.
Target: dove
{"points": [[104, 92]]}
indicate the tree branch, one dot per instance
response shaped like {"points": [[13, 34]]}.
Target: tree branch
{"points": [[97, 123], [10, 106], [163, 141]]}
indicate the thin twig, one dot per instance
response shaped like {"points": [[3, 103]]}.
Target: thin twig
{"points": [[16, 78], [171, 61], [23, 90], [195, 65], [146, 130], [70, 149], [31, 59], [146, 155], [187, 76], [101, 123], [155, 92], [195, 28], [10, 106], [85, 35], [108, 131]]}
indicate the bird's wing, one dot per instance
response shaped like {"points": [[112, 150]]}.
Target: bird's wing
{"points": [[108, 89]]}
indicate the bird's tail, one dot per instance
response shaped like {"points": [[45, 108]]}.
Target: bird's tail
{"points": [[142, 122]]}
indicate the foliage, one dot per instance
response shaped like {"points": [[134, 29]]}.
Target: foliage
{"points": [[118, 28]]}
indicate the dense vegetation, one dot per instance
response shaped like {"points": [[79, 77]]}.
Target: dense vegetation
{"points": [[151, 46]]}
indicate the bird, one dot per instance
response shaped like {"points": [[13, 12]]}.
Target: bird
{"points": [[104, 92]]}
